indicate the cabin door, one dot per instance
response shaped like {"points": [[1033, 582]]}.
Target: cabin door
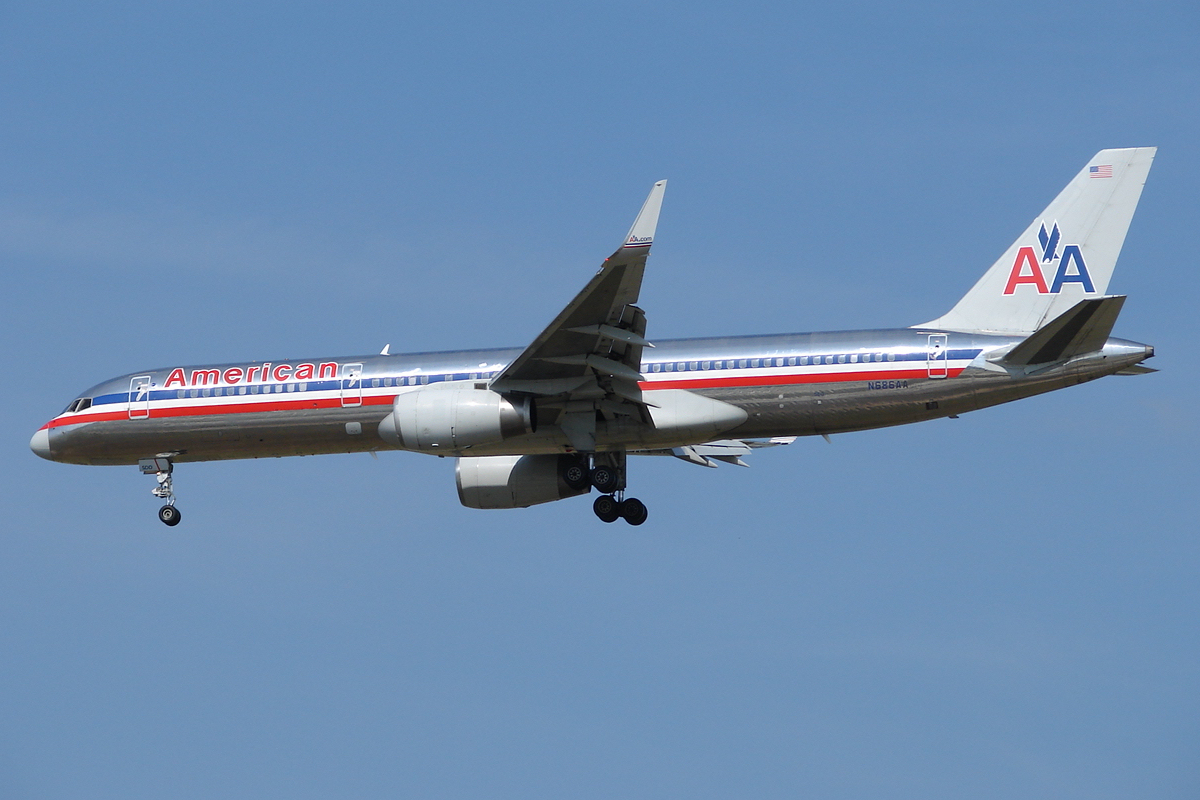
{"points": [[139, 397], [938, 356], [352, 385]]}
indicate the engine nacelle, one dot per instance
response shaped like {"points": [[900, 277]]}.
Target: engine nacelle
{"points": [[447, 420], [513, 481]]}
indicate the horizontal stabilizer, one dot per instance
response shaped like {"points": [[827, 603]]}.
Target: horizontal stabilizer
{"points": [[1084, 328], [1137, 369]]}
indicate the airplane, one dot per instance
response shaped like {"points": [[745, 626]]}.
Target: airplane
{"points": [[559, 418]]}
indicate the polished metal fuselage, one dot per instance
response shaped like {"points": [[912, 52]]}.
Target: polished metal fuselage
{"points": [[788, 385]]}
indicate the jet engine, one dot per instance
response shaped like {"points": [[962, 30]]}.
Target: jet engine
{"points": [[513, 481], [446, 420]]}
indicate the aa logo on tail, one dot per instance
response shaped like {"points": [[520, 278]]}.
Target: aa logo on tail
{"points": [[1027, 269]]}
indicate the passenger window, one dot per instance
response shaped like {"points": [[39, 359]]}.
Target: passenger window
{"points": [[241, 390], [695, 365], [841, 359], [891, 356], [706, 365], [854, 358]]}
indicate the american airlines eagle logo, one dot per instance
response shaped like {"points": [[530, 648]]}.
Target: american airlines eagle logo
{"points": [[1028, 269]]}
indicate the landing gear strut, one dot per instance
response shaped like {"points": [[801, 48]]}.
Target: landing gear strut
{"points": [[161, 468], [608, 476]]}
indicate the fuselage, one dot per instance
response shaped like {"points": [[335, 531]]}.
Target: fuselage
{"points": [[787, 385]]}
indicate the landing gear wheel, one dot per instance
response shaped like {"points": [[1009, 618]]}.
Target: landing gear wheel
{"points": [[607, 508], [575, 476], [169, 515], [634, 511], [605, 479]]}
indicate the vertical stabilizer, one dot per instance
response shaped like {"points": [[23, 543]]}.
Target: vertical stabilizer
{"points": [[1066, 255]]}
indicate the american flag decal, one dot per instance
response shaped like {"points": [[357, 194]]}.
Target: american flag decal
{"points": [[1103, 171]]}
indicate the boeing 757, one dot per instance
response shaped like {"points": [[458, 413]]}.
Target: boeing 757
{"points": [[560, 417]]}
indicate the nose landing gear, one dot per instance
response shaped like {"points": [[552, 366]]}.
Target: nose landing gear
{"points": [[161, 468]]}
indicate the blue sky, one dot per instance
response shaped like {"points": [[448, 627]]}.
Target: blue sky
{"points": [[1003, 605]]}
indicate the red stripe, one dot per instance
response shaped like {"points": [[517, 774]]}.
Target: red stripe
{"points": [[781, 380]]}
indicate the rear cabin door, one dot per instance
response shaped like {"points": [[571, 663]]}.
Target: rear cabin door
{"points": [[938, 355]]}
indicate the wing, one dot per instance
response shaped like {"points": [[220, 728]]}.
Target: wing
{"points": [[588, 360]]}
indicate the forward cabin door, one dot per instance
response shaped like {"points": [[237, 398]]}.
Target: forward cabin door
{"points": [[938, 356], [139, 397]]}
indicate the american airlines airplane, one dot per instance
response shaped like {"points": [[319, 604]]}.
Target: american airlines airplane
{"points": [[558, 418]]}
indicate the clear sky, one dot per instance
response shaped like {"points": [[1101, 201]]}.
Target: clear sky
{"points": [[1004, 605]]}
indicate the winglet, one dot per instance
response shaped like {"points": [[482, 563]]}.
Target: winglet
{"points": [[642, 233]]}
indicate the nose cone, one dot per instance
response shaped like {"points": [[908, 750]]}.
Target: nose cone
{"points": [[40, 444]]}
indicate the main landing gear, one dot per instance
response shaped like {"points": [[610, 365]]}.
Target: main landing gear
{"points": [[161, 468], [607, 475], [610, 508]]}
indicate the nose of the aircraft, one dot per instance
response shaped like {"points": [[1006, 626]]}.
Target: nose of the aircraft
{"points": [[40, 444]]}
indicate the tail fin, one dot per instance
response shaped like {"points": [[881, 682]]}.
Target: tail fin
{"points": [[1067, 254]]}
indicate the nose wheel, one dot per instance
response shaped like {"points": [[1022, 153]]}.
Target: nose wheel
{"points": [[161, 468]]}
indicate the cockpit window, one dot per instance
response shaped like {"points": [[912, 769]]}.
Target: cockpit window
{"points": [[71, 408], [84, 404]]}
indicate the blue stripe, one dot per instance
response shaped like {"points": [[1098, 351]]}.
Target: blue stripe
{"points": [[336, 384]]}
